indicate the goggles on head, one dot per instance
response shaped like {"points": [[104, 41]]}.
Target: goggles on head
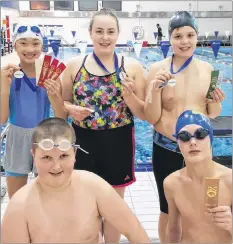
{"points": [[64, 145], [23, 29]]}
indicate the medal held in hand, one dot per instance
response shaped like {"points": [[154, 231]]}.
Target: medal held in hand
{"points": [[19, 74]]}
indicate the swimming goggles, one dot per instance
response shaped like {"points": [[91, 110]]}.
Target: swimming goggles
{"points": [[64, 145], [34, 29], [199, 134]]}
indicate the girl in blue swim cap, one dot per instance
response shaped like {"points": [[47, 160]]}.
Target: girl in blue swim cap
{"points": [[24, 104], [175, 84]]}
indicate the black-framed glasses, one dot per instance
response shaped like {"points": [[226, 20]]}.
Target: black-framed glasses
{"points": [[199, 134]]}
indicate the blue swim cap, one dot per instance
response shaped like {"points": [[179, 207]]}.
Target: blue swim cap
{"points": [[181, 19], [190, 117]]}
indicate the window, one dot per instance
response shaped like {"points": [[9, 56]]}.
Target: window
{"points": [[64, 5], [88, 6], [10, 4], [116, 5], [40, 5]]}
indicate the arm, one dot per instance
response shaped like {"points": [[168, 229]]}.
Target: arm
{"points": [[214, 109], [6, 80], [57, 102], [173, 231], [153, 109], [67, 84], [14, 225], [114, 209], [77, 112], [135, 101]]}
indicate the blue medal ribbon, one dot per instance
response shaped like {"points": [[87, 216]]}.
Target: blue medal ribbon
{"points": [[104, 68], [27, 80], [186, 63]]}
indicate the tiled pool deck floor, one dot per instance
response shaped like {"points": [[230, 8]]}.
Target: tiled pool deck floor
{"points": [[142, 198]]}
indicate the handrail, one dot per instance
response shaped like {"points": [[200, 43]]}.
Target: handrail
{"points": [[3, 133]]}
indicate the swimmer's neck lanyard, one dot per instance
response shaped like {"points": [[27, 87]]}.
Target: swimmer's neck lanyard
{"points": [[104, 68], [185, 64], [27, 80]]}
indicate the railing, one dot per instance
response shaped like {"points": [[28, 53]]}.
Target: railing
{"points": [[120, 14], [3, 135]]}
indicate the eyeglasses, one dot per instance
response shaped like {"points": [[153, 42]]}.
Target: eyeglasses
{"points": [[64, 145], [34, 29], [199, 134]]}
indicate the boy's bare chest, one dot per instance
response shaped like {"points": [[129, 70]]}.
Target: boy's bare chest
{"points": [[64, 221]]}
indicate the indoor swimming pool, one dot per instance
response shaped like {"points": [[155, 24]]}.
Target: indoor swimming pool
{"points": [[144, 131]]}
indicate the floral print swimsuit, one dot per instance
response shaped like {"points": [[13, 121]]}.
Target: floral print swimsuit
{"points": [[103, 95]]}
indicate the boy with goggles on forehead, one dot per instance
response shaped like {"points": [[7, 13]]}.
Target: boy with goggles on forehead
{"points": [[188, 220], [63, 205], [25, 104]]}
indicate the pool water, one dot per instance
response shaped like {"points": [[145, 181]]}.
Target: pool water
{"points": [[143, 130]]}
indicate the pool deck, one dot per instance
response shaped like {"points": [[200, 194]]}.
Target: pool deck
{"points": [[141, 197]]}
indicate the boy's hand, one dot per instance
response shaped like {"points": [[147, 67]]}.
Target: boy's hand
{"points": [[160, 80], [222, 217], [7, 73], [217, 96]]}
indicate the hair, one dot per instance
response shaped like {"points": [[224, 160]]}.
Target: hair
{"points": [[106, 12], [53, 128]]}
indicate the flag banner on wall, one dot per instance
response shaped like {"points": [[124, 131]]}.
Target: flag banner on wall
{"points": [[73, 33], [227, 33], [215, 47], [164, 45], [216, 33], [206, 34], [137, 48], [51, 32], [55, 46], [135, 35], [155, 34]]}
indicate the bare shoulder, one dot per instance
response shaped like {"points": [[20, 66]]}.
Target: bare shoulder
{"points": [[75, 62], [155, 67], [72, 67], [132, 64], [203, 64], [87, 179], [131, 61], [172, 181], [18, 202], [225, 174]]}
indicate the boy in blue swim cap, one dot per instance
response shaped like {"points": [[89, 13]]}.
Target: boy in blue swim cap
{"points": [[191, 80], [184, 189]]}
